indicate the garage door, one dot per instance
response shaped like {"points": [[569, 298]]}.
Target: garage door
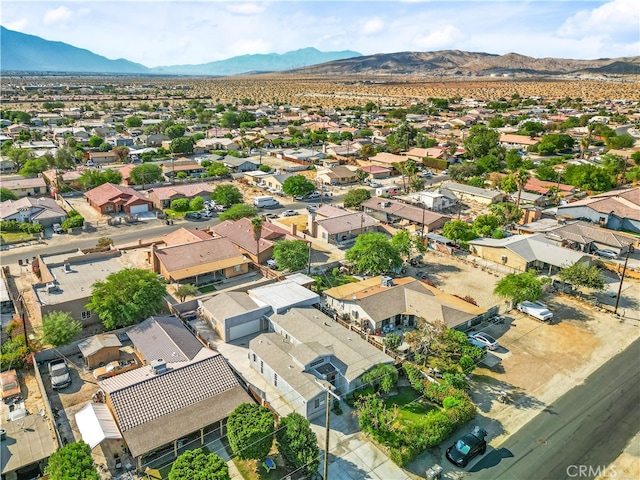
{"points": [[139, 209], [243, 330]]}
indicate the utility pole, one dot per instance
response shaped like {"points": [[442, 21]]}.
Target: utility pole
{"points": [[624, 271], [327, 420]]}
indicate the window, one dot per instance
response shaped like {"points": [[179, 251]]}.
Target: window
{"points": [[261, 366], [275, 379], [317, 362], [253, 355], [237, 268], [316, 403], [86, 315]]}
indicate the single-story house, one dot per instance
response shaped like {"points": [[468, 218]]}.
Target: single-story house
{"points": [[110, 198], [376, 172], [66, 280], [189, 167], [240, 232], [339, 175], [392, 211], [436, 200], [337, 226], [616, 210], [379, 301], [186, 393], [467, 192], [275, 182], [236, 164], [26, 187], [586, 237], [201, 262], [307, 352], [163, 196], [44, 211], [384, 159], [522, 252], [102, 158], [513, 141]]}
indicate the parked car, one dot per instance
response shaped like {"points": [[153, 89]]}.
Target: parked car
{"points": [[59, 372], [272, 264], [298, 197], [485, 339], [207, 214], [289, 213], [270, 215], [536, 310], [468, 447], [57, 228], [445, 171], [114, 368], [312, 208], [374, 185], [193, 216], [10, 386], [610, 254], [313, 195]]}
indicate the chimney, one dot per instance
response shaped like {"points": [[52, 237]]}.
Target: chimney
{"points": [[294, 229]]}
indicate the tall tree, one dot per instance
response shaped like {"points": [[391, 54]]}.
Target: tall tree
{"points": [[256, 228], [297, 443], [521, 177], [481, 141], [59, 328], [198, 465], [518, 287], [145, 173], [250, 431], [6, 194], [292, 255], [127, 297], [354, 197], [298, 185], [186, 290], [226, 195], [374, 254], [121, 153], [583, 275], [72, 462]]}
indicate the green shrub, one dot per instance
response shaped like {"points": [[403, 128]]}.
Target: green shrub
{"points": [[450, 402], [72, 222], [180, 205], [414, 376], [73, 213]]}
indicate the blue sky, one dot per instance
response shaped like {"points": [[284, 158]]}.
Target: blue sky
{"points": [[159, 32]]}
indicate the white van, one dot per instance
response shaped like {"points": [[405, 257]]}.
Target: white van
{"points": [[265, 201], [535, 310]]}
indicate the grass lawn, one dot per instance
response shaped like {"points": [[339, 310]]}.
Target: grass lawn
{"points": [[253, 469], [15, 237], [207, 289], [410, 410], [329, 281]]}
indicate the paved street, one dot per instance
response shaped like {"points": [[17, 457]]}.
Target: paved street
{"points": [[577, 436]]}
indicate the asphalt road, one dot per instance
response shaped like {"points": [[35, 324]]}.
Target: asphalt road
{"points": [[580, 434], [130, 233]]}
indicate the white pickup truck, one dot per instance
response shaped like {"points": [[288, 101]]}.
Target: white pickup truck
{"points": [[535, 310]]}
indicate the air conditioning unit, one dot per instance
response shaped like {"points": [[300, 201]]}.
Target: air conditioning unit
{"points": [[67, 268], [504, 259], [159, 366], [52, 287]]}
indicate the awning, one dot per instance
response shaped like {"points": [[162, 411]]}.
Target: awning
{"points": [[97, 424]]}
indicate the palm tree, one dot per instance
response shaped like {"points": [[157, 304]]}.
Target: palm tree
{"points": [[521, 177], [256, 225], [584, 145]]}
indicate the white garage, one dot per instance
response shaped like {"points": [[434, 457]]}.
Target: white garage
{"points": [[139, 209]]}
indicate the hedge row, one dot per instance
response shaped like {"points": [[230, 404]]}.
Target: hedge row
{"points": [[13, 226]]}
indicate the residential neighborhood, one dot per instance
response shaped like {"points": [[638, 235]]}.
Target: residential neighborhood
{"points": [[362, 271]]}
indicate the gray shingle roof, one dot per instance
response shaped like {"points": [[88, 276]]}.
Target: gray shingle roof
{"points": [[230, 304], [166, 338], [94, 344]]}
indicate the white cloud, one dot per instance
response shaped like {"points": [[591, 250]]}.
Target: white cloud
{"points": [[371, 26], [246, 8], [58, 15], [17, 25], [618, 19], [444, 37]]}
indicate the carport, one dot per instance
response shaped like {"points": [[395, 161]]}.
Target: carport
{"points": [[96, 424]]}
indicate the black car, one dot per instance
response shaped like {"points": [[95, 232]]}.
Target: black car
{"points": [[468, 447]]}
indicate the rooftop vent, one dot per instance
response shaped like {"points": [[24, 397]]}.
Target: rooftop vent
{"points": [[52, 287], [67, 268], [387, 282], [158, 366]]}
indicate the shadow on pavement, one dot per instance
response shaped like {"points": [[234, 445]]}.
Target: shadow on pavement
{"points": [[491, 459]]}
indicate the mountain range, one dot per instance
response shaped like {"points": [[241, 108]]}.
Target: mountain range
{"points": [[28, 53]]}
